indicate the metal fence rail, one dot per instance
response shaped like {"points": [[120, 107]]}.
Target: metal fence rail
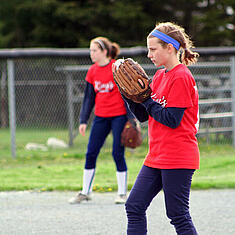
{"points": [[45, 89]]}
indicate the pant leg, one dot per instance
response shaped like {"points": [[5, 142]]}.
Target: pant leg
{"points": [[146, 187], [176, 187], [118, 153], [118, 124], [99, 131]]}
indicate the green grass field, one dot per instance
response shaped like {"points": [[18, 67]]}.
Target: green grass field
{"points": [[63, 169]]}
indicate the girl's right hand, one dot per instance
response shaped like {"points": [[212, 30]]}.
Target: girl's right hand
{"points": [[82, 129]]}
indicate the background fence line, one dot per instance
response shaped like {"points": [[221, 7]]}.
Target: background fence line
{"points": [[45, 89]]}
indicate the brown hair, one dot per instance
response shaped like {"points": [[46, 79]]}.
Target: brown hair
{"points": [[178, 33], [113, 49]]}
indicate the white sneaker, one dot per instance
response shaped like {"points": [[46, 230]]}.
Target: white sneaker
{"points": [[121, 199], [79, 198]]}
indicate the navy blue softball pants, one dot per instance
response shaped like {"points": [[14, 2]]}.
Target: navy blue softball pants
{"points": [[101, 127], [176, 184]]}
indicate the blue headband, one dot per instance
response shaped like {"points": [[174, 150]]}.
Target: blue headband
{"points": [[166, 38]]}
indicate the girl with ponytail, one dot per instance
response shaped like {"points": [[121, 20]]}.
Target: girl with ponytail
{"points": [[173, 121]]}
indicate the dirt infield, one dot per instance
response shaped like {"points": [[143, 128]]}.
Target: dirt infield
{"points": [[48, 213]]}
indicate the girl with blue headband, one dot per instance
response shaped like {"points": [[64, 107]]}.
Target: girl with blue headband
{"points": [[173, 121]]}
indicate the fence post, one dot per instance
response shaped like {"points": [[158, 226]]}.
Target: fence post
{"points": [[70, 111], [232, 61], [11, 98]]}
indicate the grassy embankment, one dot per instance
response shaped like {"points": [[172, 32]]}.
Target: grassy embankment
{"points": [[62, 169]]}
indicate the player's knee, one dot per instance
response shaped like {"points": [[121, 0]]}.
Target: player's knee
{"points": [[134, 209]]}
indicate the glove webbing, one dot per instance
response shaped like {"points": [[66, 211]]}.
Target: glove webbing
{"points": [[138, 72], [133, 73], [126, 82]]}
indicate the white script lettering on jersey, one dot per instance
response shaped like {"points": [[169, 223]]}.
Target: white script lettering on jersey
{"points": [[103, 87], [162, 101]]}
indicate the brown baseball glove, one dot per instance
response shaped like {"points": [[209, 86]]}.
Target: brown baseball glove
{"points": [[131, 135], [132, 80]]}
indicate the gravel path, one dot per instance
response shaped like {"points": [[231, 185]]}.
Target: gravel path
{"points": [[48, 213]]}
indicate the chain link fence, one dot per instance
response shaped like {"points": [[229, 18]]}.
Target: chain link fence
{"points": [[43, 89]]}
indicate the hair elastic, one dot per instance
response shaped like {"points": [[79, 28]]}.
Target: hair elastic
{"points": [[100, 42], [166, 38]]}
